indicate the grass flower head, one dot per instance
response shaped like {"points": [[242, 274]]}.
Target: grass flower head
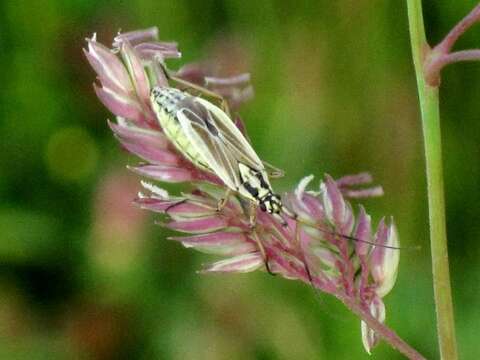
{"points": [[327, 245]]}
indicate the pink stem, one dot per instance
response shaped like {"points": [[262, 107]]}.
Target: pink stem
{"points": [[440, 55], [437, 62], [380, 329], [447, 43], [464, 55]]}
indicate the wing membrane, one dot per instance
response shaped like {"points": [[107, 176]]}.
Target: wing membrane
{"points": [[217, 138]]}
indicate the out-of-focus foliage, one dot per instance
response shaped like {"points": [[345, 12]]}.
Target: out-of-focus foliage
{"points": [[83, 274]]}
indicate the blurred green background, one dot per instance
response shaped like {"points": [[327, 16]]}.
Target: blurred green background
{"points": [[85, 275]]}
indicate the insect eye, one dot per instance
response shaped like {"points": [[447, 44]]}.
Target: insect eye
{"points": [[263, 207]]}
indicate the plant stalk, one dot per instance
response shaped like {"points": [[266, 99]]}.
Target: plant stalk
{"points": [[429, 107], [387, 334]]}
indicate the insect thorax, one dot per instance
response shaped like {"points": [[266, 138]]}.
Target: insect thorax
{"points": [[255, 185]]}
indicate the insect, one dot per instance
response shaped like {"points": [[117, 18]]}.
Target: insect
{"points": [[207, 136]]}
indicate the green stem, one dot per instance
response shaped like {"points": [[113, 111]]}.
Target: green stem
{"points": [[429, 106]]}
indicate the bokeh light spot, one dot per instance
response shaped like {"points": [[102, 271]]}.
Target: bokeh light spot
{"points": [[71, 155]]}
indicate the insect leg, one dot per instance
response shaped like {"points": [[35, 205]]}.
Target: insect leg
{"points": [[302, 254], [253, 232], [223, 201], [170, 207], [202, 90], [253, 215], [274, 172]]}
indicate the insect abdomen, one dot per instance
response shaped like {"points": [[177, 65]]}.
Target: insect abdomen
{"points": [[165, 104]]}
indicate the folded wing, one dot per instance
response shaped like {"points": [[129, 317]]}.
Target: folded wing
{"points": [[216, 137]]}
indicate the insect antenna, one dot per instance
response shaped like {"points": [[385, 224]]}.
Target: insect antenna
{"points": [[352, 238], [316, 226], [304, 258]]}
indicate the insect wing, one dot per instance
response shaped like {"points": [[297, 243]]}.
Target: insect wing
{"points": [[219, 141]]}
